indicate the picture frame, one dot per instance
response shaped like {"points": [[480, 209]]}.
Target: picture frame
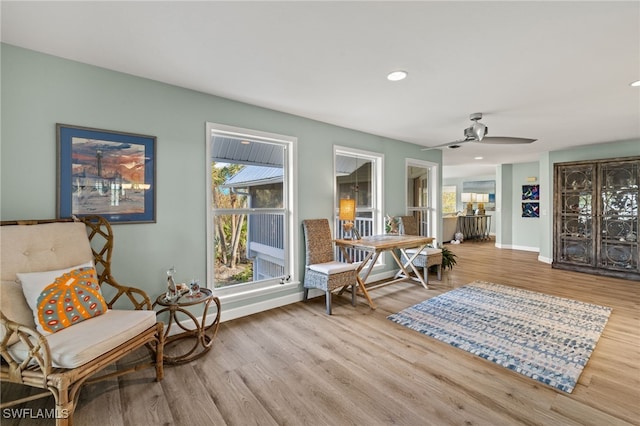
{"points": [[104, 172], [531, 209], [530, 192]]}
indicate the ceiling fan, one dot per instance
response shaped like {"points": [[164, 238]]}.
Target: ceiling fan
{"points": [[478, 133]]}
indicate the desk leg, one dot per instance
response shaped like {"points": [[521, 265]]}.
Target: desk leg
{"points": [[410, 264], [361, 281], [371, 258]]}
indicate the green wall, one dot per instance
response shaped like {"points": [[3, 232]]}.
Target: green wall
{"points": [[39, 91], [525, 231]]}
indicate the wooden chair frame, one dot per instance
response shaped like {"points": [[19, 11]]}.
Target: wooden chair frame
{"points": [[37, 370]]}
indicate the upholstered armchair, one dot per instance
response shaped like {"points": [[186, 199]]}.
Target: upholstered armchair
{"points": [[428, 257], [59, 325], [322, 271]]}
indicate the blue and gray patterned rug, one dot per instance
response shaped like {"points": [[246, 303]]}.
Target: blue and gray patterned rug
{"points": [[546, 338]]}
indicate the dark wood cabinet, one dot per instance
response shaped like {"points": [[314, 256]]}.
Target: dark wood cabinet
{"points": [[596, 217]]}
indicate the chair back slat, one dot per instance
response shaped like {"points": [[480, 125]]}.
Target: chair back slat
{"points": [[409, 225], [318, 242], [100, 235]]}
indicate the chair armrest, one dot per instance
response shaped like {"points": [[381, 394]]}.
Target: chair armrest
{"points": [[38, 350], [138, 298]]}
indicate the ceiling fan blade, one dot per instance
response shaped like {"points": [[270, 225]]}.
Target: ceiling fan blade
{"points": [[504, 140], [458, 142]]}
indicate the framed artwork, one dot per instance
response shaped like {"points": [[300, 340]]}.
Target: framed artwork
{"points": [[530, 192], [112, 174], [530, 210]]}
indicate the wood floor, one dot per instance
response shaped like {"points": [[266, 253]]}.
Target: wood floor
{"points": [[297, 366]]}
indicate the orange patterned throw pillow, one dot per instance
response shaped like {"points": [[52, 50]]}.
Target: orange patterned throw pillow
{"points": [[73, 297]]}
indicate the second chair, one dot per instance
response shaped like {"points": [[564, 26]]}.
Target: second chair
{"points": [[321, 270]]}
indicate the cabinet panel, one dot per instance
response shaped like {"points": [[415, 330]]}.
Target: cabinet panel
{"points": [[574, 214], [596, 217], [619, 215]]}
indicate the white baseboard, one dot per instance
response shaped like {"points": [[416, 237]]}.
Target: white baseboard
{"points": [[254, 308], [514, 247], [545, 260]]}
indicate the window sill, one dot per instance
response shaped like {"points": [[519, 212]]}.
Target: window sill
{"points": [[235, 295]]}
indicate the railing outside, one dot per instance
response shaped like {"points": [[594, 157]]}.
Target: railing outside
{"points": [[422, 218], [364, 226], [267, 229], [266, 244]]}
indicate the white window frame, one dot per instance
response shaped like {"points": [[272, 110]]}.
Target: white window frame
{"points": [[434, 192], [377, 187], [239, 292]]}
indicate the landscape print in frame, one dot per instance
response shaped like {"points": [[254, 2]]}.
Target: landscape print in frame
{"points": [[107, 173]]}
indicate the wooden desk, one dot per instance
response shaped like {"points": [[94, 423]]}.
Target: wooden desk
{"points": [[376, 244]]}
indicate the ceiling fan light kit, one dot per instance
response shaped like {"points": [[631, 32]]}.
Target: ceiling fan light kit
{"points": [[478, 133]]}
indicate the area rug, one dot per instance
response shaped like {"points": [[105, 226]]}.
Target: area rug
{"points": [[546, 338]]}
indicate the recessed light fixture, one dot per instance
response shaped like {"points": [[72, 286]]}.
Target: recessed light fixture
{"points": [[397, 75], [478, 158], [635, 84], [245, 142]]}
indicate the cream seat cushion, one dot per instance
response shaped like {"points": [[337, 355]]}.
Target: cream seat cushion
{"points": [[332, 267], [77, 345], [426, 251]]}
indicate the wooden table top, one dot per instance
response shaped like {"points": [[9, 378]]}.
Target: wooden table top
{"points": [[386, 242]]}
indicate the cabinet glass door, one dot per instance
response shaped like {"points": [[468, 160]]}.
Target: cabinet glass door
{"points": [[619, 216], [576, 213]]}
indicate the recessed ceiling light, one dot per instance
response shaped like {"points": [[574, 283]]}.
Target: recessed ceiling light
{"points": [[635, 84], [397, 75], [478, 158]]}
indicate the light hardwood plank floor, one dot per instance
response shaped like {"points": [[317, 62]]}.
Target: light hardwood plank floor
{"points": [[295, 365]]}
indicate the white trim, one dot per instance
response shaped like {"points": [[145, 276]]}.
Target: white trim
{"points": [[435, 192], [290, 166], [276, 302], [512, 247], [254, 308], [545, 259], [243, 310], [188, 324], [377, 189], [249, 291]]}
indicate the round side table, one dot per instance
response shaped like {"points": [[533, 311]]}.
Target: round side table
{"points": [[202, 334]]}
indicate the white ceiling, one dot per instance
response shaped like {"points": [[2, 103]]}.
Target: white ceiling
{"points": [[555, 71]]}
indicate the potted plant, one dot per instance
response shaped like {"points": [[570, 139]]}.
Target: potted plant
{"points": [[448, 258]]}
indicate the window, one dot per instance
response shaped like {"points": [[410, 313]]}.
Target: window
{"points": [[249, 222], [422, 202], [358, 175], [449, 199]]}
